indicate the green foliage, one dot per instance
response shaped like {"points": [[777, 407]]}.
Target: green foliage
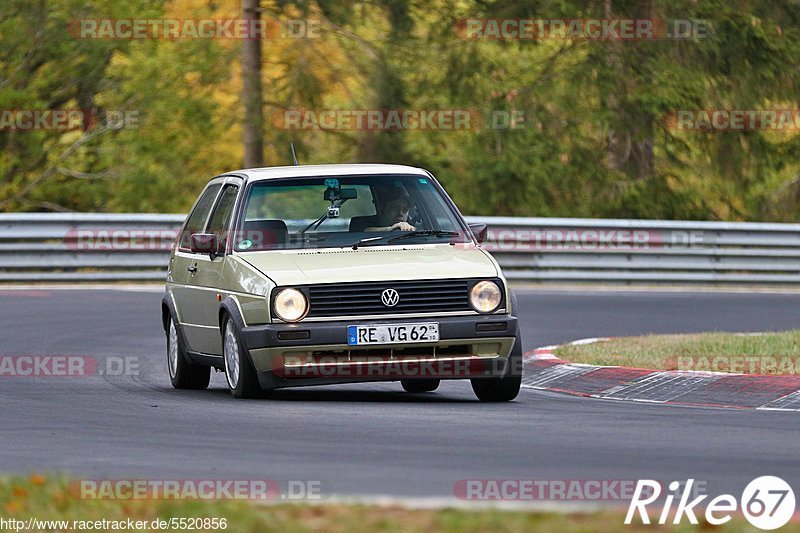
{"points": [[592, 135]]}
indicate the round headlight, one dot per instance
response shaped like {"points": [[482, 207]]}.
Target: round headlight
{"points": [[290, 305], [485, 296]]}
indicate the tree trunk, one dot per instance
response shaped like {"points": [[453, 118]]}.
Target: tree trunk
{"points": [[252, 92], [631, 140]]}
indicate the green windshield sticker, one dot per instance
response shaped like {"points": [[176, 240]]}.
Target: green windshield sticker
{"points": [[332, 183], [423, 180], [245, 244]]}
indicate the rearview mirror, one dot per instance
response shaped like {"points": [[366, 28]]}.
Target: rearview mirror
{"points": [[340, 194], [481, 231], [203, 243]]}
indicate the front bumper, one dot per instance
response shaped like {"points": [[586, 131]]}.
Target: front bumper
{"points": [[468, 346]]}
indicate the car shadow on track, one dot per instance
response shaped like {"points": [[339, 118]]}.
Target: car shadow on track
{"points": [[343, 394]]}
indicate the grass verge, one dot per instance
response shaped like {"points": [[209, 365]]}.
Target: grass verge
{"points": [[47, 498], [770, 353]]}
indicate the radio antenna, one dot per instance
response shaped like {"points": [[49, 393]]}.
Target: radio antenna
{"points": [[294, 155]]}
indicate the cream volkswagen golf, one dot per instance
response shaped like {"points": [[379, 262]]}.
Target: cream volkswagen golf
{"points": [[328, 274]]}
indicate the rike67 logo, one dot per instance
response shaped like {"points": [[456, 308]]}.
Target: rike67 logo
{"points": [[767, 503]]}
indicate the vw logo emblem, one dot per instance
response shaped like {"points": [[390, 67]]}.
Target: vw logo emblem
{"points": [[389, 297]]}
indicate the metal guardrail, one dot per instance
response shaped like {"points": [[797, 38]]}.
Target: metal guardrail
{"points": [[645, 251], [134, 247], [85, 246]]}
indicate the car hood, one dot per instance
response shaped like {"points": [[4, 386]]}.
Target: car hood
{"points": [[376, 263]]}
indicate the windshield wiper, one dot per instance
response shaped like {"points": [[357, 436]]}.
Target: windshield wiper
{"points": [[405, 235], [425, 233], [366, 240]]}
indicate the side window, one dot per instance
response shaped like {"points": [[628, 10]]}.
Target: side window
{"points": [[221, 218], [195, 222]]}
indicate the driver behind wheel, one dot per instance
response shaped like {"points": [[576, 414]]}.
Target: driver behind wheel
{"points": [[394, 211]]}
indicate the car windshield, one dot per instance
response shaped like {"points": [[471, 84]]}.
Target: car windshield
{"points": [[346, 211]]}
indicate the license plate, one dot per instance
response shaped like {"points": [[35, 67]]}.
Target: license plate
{"points": [[392, 334]]}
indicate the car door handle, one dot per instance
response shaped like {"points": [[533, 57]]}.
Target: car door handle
{"points": [[192, 269]]}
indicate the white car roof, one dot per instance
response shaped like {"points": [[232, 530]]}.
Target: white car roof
{"points": [[257, 174]]}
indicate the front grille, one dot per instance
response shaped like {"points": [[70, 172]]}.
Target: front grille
{"points": [[354, 299]]}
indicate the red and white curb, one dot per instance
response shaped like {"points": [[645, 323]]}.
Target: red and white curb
{"points": [[545, 371]]}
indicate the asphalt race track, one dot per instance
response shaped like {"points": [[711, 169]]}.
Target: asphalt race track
{"points": [[375, 439]]}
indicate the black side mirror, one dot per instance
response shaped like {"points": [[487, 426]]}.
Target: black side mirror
{"points": [[481, 231], [203, 243]]}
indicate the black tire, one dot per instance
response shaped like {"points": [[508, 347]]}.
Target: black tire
{"points": [[243, 384], [506, 388], [182, 373], [420, 385]]}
